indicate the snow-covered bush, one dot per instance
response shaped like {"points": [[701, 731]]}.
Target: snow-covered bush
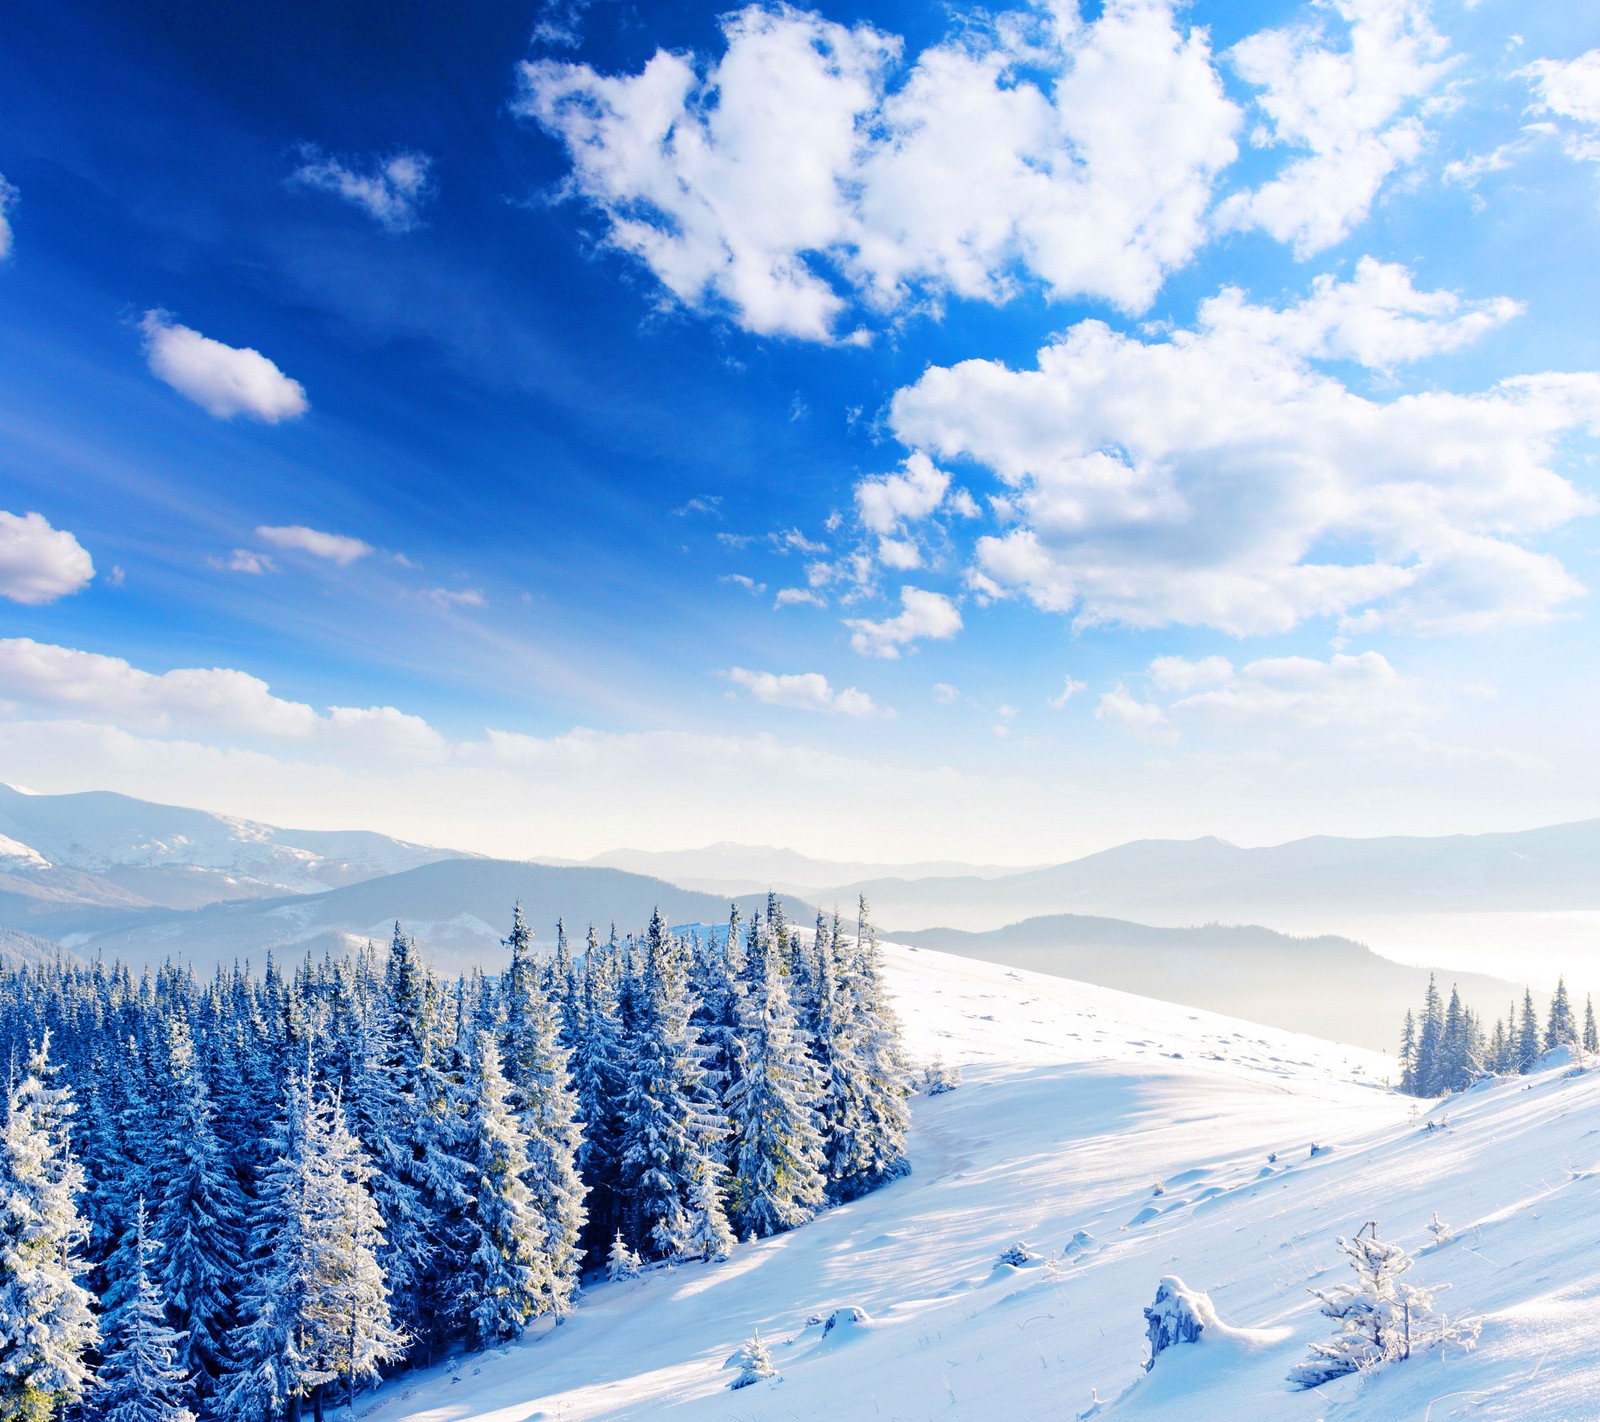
{"points": [[938, 1077], [1179, 1315], [753, 1361], [1381, 1318], [1018, 1256], [1441, 1232], [622, 1262]]}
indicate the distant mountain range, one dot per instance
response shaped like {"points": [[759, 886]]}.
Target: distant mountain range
{"points": [[1327, 986], [103, 874], [1177, 882]]}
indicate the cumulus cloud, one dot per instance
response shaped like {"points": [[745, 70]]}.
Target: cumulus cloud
{"points": [[224, 381], [1344, 693], [1352, 102], [297, 538], [885, 501], [8, 200], [1219, 477], [804, 691], [93, 687], [922, 615], [38, 563], [1570, 89], [1182, 674], [389, 190], [799, 597], [1120, 708], [809, 169]]}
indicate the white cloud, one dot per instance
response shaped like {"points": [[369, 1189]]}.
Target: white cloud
{"points": [[807, 168], [901, 554], [945, 694], [1344, 101], [804, 691], [740, 580], [1181, 674], [223, 380], [922, 615], [1122, 709], [89, 686], [39, 563], [244, 560], [799, 597], [297, 538], [1069, 688], [1570, 89], [1344, 694], [885, 501], [8, 200], [457, 597], [1205, 478], [390, 190]]}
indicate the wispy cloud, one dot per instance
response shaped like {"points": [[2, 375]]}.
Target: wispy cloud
{"points": [[389, 190], [335, 547]]}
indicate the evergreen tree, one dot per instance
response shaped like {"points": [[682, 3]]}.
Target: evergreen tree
{"points": [[45, 1323], [1408, 1056], [547, 1114], [1528, 1036], [199, 1216], [777, 1180], [1561, 1028], [505, 1278], [668, 1129], [622, 1262], [316, 1308], [600, 1083], [143, 1377], [1430, 1036], [1591, 1037]]}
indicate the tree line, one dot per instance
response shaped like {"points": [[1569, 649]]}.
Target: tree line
{"points": [[1445, 1048], [243, 1196]]}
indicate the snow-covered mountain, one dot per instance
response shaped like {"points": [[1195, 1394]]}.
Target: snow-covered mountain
{"points": [[1122, 1141], [99, 849]]}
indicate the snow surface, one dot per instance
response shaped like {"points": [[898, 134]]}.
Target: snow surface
{"points": [[1138, 1133]]}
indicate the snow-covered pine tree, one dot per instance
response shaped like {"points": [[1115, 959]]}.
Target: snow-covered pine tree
{"points": [[708, 1235], [1430, 1034], [1408, 1056], [316, 1308], [776, 1162], [1591, 1036], [142, 1376], [600, 1081], [1561, 1027], [621, 1263], [198, 1218], [669, 1129], [1528, 1035], [1381, 1317], [754, 1361], [505, 1277], [1453, 1064], [45, 1323], [547, 1115], [883, 1119]]}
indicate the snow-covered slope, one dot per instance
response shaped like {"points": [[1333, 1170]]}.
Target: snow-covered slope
{"points": [[115, 849], [1077, 1103]]}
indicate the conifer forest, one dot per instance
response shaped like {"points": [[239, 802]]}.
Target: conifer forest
{"points": [[252, 1196]]}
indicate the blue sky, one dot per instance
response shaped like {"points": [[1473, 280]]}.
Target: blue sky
{"points": [[888, 430]]}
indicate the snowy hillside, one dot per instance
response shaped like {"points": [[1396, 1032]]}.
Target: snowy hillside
{"points": [[1123, 1140], [107, 850]]}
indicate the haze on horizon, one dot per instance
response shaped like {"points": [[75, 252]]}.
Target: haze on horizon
{"points": [[883, 432]]}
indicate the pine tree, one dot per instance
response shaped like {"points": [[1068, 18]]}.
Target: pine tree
{"points": [[600, 1082], [143, 1377], [880, 1139], [547, 1114], [316, 1308], [1528, 1036], [505, 1278], [45, 1323], [1408, 1056], [1561, 1028], [1591, 1037], [1430, 1035], [777, 1180], [669, 1130], [622, 1263], [198, 1218]]}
